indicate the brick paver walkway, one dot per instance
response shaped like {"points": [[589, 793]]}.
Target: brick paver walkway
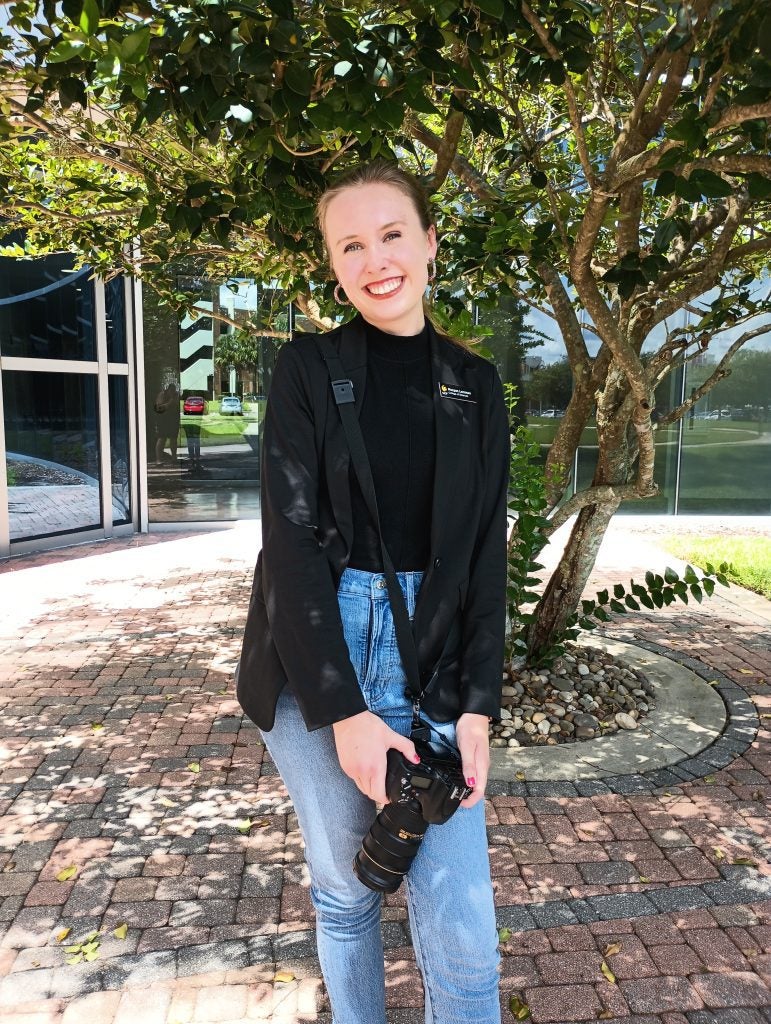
{"points": [[138, 804]]}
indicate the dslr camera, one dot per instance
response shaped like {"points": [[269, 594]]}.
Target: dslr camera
{"points": [[420, 795]]}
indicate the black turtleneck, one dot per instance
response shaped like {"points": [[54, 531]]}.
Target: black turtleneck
{"points": [[397, 421]]}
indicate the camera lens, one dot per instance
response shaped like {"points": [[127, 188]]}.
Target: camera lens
{"points": [[390, 847]]}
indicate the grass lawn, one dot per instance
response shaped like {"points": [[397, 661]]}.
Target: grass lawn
{"points": [[749, 558]]}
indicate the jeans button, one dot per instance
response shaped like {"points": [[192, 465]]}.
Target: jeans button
{"points": [[437, 562], [381, 584]]}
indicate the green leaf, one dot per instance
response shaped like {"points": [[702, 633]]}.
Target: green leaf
{"points": [[89, 17], [194, 767], [603, 596], [121, 931], [66, 50], [504, 934], [518, 1007], [133, 47], [492, 7], [632, 603], [671, 576], [67, 873], [618, 590], [617, 607], [696, 591]]}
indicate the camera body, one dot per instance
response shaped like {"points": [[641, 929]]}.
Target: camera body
{"points": [[436, 784], [420, 795]]}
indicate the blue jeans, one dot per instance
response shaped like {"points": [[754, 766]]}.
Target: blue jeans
{"points": [[449, 893]]}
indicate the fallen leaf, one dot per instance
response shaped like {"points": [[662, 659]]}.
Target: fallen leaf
{"points": [[96, 726], [283, 976], [194, 767], [165, 802], [73, 960], [72, 949], [67, 873], [92, 954], [606, 1015], [223, 691], [745, 862], [263, 824], [36, 963], [612, 948], [765, 716], [245, 825], [714, 682], [504, 934], [10, 866], [747, 672], [91, 936], [520, 777], [709, 778], [719, 854], [608, 973], [62, 935], [750, 952], [519, 1007], [643, 879], [121, 931]]}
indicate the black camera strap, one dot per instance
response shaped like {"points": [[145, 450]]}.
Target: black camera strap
{"points": [[342, 389]]}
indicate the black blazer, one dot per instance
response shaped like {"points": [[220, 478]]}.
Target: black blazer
{"points": [[294, 634]]}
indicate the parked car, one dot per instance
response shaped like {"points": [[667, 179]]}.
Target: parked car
{"points": [[194, 406], [552, 414], [230, 405]]}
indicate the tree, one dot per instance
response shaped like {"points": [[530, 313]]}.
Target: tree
{"points": [[607, 163]]}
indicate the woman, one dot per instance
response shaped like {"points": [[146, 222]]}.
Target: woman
{"points": [[320, 671]]}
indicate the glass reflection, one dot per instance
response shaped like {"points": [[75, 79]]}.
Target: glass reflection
{"points": [[46, 309], [206, 380], [119, 450], [726, 460], [51, 433]]}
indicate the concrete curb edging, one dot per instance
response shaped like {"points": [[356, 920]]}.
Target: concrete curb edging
{"points": [[724, 733]]}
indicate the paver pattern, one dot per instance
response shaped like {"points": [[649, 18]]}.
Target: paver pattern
{"points": [[125, 756]]}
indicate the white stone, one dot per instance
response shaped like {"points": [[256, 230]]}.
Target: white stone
{"points": [[544, 727], [513, 743], [505, 715], [583, 670], [625, 721]]}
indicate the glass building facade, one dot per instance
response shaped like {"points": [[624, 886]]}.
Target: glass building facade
{"points": [[716, 460], [67, 407], [116, 415]]}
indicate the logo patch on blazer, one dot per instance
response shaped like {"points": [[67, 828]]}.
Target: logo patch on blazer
{"points": [[452, 391]]}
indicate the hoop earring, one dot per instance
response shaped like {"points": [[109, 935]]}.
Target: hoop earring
{"points": [[338, 300], [431, 270]]}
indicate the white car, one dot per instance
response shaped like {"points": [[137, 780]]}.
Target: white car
{"points": [[230, 405]]}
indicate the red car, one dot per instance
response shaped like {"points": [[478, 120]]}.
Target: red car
{"points": [[194, 406]]}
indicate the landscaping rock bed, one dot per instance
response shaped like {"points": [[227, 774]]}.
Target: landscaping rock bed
{"points": [[585, 694], [27, 474]]}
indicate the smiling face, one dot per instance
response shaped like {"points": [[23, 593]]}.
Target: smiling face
{"points": [[379, 252]]}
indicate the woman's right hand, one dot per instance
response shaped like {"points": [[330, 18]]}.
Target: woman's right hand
{"points": [[363, 742]]}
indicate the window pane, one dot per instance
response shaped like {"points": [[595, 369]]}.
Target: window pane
{"points": [[115, 319], [51, 434], [726, 462], [119, 450], [205, 387], [46, 309]]}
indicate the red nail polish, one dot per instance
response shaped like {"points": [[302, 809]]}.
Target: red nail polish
{"points": [[471, 780], [416, 759]]}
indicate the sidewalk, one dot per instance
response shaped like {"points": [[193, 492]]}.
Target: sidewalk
{"points": [[124, 755]]}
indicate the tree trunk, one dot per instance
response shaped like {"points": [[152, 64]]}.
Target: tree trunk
{"points": [[564, 589]]}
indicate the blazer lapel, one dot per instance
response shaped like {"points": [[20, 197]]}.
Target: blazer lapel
{"points": [[353, 356], [449, 417]]}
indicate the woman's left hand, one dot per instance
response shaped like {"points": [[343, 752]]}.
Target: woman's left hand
{"points": [[472, 735]]}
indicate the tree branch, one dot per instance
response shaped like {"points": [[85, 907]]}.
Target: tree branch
{"points": [[593, 496], [569, 91], [722, 370]]}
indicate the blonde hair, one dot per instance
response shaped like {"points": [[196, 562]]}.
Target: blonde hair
{"points": [[379, 172]]}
